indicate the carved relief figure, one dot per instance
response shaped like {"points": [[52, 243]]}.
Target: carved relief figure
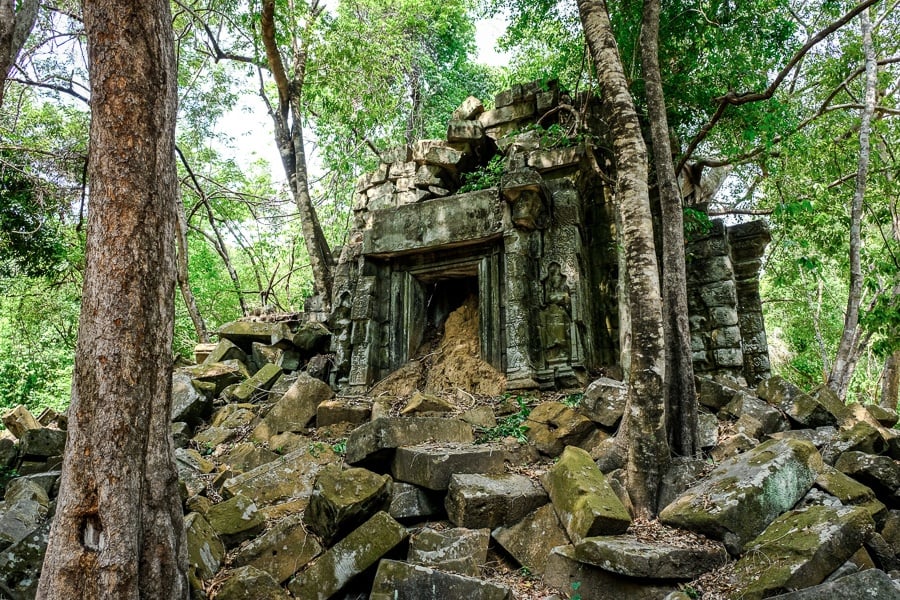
{"points": [[556, 316]]}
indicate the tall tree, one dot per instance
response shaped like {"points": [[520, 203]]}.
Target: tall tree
{"points": [[15, 25], [644, 426], [118, 530]]}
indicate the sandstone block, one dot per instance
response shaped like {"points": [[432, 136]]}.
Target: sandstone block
{"points": [[19, 420], [477, 501], [870, 583], [342, 410], [412, 502], [42, 443], [552, 426], [628, 556], [603, 401], [282, 550], [257, 386], [397, 580], [205, 549], [188, 404], [341, 500], [583, 499], [798, 405], [298, 406], [235, 520], [249, 583], [470, 108], [458, 550], [290, 476], [388, 433], [529, 540], [431, 465], [880, 473], [593, 583]]}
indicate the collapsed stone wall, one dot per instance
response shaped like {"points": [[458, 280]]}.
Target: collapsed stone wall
{"points": [[535, 242]]}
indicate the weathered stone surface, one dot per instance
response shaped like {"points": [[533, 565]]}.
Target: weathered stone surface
{"points": [[256, 386], [20, 564], [308, 338], [181, 434], [480, 416], [244, 333], [246, 456], [470, 108], [343, 410], [458, 550], [188, 404], [800, 549], [235, 520], [594, 583], [880, 473], [412, 502], [715, 393], [744, 494], [583, 499], [477, 501], [627, 556], [683, 473], [225, 350], [506, 114], [846, 489], [870, 583], [861, 437], [397, 580], [218, 375], [431, 465], [341, 500], [797, 404], [250, 583], [732, 446], [549, 159], [464, 131], [707, 429], [348, 558], [211, 437], [42, 443], [205, 549], [388, 433], [552, 426], [282, 550], [885, 416], [425, 403], [19, 420], [290, 476], [529, 540], [298, 406], [745, 404]]}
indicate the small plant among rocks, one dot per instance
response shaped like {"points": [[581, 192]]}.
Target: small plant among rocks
{"points": [[510, 426]]}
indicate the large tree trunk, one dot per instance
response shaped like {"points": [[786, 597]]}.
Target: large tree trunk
{"points": [[15, 25], [681, 398], [118, 530], [644, 421], [847, 354], [890, 381]]}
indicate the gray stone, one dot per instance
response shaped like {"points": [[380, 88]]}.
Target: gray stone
{"points": [[870, 583], [431, 465], [226, 350], [800, 549], [470, 108], [246, 456], [506, 114], [739, 499], [707, 429], [412, 502], [244, 333], [715, 393], [282, 550], [683, 473], [861, 437], [626, 555], [421, 403], [397, 580], [181, 434], [464, 131], [770, 418], [42, 443], [217, 376], [603, 401], [19, 420], [477, 501], [568, 576], [257, 386], [250, 583], [348, 558], [343, 410], [341, 500], [885, 416], [388, 433], [188, 404], [732, 446], [458, 550], [552, 426], [235, 520], [298, 406], [583, 499], [20, 564], [290, 476], [205, 550], [528, 540], [798, 405], [880, 473]]}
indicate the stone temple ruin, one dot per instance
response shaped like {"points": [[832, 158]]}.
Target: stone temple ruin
{"points": [[535, 248]]}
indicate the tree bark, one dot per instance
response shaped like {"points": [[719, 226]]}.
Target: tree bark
{"points": [[181, 273], [681, 398], [844, 363], [118, 530], [890, 381], [644, 420], [14, 29]]}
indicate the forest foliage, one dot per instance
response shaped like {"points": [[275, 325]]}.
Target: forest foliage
{"points": [[380, 74]]}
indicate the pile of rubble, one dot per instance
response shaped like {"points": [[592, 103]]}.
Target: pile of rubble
{"points": [[290, 491]]}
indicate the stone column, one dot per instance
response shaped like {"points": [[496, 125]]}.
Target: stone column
{"points": [[520, 339], [747, 242]]}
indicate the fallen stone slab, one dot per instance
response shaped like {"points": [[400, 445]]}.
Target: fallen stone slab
{"points": [[795, 403], [397, 580], [257, 386], [800, 549], [626, 555], [298, 406], [603, 401], [584, 501], [18, 420], [217, 376], [246, 456], [716, 392], [431, 465], [412, 502], [250, 583], [244, 333], [568, 576], [289, 476], [388, 433], [205, 550], [235, 520], [552, 426], [739, 498], [871, 583], [282, 550], [458, 550], [348, 558], [341, 500], [476, 501], [225, 350], [861, 437], [528, 540], [343, 410], [42, 443], [188, 403], [881, 473], [744, 404]]}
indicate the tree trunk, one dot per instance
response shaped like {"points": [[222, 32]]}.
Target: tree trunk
{"points": [[844, 364], [118, 530], [645, 425], [181, 273], [681, 398], [890, 381], [14, 29]]}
